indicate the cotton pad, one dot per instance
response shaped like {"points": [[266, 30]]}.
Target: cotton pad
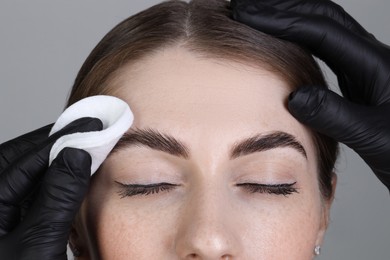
{"points": [[116, 117]]}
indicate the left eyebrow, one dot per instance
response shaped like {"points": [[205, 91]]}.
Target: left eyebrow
{"points": [[263, 142]]}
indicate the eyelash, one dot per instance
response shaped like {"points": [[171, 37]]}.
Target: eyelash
{"points": [[284, 189], [128, 190]]}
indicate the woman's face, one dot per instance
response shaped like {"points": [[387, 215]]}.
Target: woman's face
{"points": [[214, 167]]}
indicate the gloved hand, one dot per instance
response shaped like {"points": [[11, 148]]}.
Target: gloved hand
{"points": [[37, 202], [361, 119]]}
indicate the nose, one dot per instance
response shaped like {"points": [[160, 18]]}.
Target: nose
{"points": [[208, 229]]}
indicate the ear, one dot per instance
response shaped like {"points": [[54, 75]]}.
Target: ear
{"points": [[77, 240], [327, 203]]}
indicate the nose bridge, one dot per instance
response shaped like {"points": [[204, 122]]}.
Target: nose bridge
{"points": [[207, 229]]}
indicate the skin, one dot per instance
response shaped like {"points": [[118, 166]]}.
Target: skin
{"points": [[209, 105]]}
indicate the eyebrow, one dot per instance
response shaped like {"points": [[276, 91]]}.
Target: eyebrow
{"points": [[263, 142], [154, 140], [169, 144]]}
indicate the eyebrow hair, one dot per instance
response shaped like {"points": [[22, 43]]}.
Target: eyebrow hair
{"points": [[169, 144], [153, 139], [265, 142]]}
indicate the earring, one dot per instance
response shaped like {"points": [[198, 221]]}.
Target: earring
{"points": [[76, 252], [317, 250]]}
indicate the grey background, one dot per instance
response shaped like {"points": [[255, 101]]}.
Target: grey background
{"points": [[43, 44]]}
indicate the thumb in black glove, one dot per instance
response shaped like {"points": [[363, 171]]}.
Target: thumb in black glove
{"points": [[361, 119], [43, 232], [364, 129]]}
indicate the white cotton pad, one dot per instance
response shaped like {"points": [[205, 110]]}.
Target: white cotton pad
{"points": [[116, 117]]}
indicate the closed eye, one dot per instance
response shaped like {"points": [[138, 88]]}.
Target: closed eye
{"points": [[128, 190], [276, 189]]}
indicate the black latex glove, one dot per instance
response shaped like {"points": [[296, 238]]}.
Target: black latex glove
{"points": [[361, 119], [37, 202]]}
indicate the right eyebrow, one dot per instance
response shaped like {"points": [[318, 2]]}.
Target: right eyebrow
{"points": [[154, 140]]}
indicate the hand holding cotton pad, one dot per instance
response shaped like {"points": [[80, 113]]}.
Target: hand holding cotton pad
{"points": [[116, 117]]}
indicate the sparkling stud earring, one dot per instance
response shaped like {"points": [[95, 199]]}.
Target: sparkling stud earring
{"points": [[317, 250]]}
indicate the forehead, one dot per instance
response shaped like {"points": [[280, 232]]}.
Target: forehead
{"points": [[195, 98]]}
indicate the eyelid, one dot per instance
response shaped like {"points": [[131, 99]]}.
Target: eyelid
{"points": [[276, 189], [128, 190]]}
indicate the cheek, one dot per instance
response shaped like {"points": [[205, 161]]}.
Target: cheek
{"points": [[280, 233], [125, 233], [124, 230]]}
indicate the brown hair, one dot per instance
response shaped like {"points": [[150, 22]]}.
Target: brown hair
{"points": [[206, 28]]}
